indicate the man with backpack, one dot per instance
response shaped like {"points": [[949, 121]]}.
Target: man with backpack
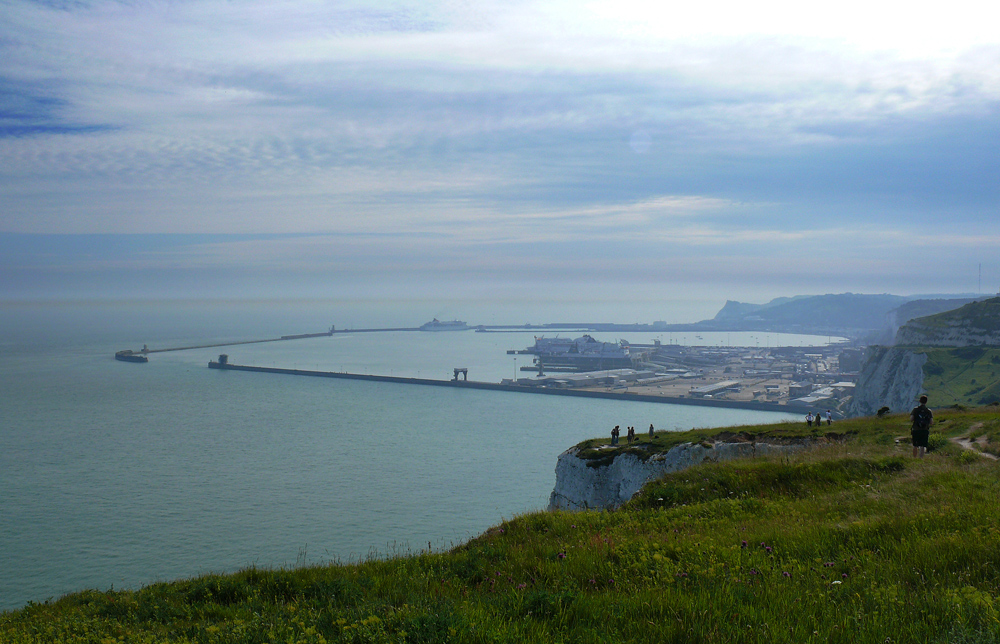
{"points": [[921, 427]]}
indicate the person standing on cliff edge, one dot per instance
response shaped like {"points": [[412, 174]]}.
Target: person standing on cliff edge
{"points": [[921, 428]]}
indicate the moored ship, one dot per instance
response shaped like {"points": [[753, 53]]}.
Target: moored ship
{"points": [[584, 353]]}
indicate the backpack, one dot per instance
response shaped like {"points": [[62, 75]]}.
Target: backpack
{"points": [[922, 418]]}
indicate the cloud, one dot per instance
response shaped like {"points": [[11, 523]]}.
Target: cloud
{"points": [[479, 129]]}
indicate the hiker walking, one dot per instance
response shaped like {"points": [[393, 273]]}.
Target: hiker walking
{"points": [[614, 435], [922, 419], [829, 417], [809, 419]]}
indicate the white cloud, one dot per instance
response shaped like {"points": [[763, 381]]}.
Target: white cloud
{"points": [[490, 123]]}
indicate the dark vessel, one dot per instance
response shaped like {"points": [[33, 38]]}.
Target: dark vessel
{"points": [[130, 356]]}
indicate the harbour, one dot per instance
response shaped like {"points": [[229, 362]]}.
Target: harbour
{"points": [[807, 378]]}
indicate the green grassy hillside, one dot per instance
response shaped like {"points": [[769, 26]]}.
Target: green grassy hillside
{"points": [[962, 376], [853, 541], [979, 315]]}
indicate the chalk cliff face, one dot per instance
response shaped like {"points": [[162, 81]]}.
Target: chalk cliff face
{"points": [[890, 377], [579, 486], [952, 335]]}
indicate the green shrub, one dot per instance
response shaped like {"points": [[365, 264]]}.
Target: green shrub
{"points": [[936, 441], [967, 457]]}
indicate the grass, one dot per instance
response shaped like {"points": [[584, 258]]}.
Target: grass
{"points": [[852, 541], [962, 376], [983, 315]]}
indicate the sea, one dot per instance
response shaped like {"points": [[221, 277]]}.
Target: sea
{"points": [[116, 475]]}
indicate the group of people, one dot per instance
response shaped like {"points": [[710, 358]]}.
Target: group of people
{"points": [[921, 418], [819, 418], [630, 436]]}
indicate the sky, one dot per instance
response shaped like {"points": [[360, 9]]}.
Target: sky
{"points": [[722, 150]]}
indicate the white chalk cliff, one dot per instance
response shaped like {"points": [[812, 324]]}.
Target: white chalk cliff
{"points": [[581, 486], [890, 377]]}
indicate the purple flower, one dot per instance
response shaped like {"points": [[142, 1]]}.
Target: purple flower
{"points": [[768, 548], [844, 575], [743, 544], [787, 574]]}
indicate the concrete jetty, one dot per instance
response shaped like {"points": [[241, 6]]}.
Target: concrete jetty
{"points": [[224, 364]]}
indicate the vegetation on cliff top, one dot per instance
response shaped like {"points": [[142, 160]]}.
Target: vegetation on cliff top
{"points": [[980, 316], [967, 376], [853, 541]]}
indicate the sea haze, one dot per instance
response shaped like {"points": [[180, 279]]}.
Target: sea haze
{"points": [[116, 474]]}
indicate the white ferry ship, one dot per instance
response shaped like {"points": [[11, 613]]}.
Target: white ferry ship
{"points": [[438, 325], [584, 353]]}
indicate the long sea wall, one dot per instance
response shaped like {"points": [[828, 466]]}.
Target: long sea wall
{"points": [[580, 485]]}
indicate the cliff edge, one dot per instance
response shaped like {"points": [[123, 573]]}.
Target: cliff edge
{"points": [[596, 484], [974, 324]]}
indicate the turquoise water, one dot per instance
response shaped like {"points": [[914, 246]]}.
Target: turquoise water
{"points": [[119, 475]]}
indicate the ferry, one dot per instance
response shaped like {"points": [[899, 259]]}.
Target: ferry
{"points": [[584, 353], [438, 325]]}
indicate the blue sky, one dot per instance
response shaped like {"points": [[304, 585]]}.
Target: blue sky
{"points": [[742, 150]]}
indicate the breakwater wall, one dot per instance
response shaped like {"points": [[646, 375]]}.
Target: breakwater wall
{"points": [[297, 336], [521, 389]]}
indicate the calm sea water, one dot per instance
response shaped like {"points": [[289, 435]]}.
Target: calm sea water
{"points": [[119, 475]]}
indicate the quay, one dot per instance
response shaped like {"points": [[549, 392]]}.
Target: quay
{"points": [[225, 365]]}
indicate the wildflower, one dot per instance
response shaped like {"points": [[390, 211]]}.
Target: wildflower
{"points": [[743, 544], [768, 548], [844, 575], [834, 583], [786, 574], [573, 526]]}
